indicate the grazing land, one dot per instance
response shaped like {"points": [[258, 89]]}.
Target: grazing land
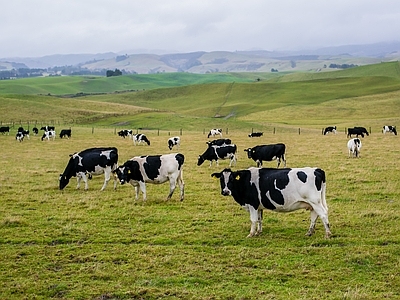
{"points": [[76, 244]]}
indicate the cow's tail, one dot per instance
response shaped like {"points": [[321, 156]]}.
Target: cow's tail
{"points": [[320, 181]]}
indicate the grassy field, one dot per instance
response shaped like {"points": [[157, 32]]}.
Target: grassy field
{"points": [[76, 244]]}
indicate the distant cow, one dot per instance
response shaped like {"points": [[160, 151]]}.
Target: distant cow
{"points": [[51, 134], [5, 129], [65, 133], [140, 138], [214, 153], [23, 132], [19, 136], [219, 142], [388, 128], [93, 161], [35, 130], [280, 190], [256, 134], [354, 146], [330, 129], [357, 131], [125, 133], [174, 141], [214, 132], [271, 152], [155, 169], [48, 128]]}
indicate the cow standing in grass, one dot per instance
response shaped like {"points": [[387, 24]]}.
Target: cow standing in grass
{"points": [[354, 146], [280, 190]]}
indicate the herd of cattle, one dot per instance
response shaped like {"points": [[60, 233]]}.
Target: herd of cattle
{"points": [[255, 189], [48, 132]]}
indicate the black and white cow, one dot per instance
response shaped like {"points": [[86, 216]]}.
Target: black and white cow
{"points": [[213, 132], [23, 132], [125, 133], [330, 129], [5, 129], [262, 153], [65, 133], [354, 145], [140, 138], [357, 131], [19, 136], [219, 152], [256, 134], [388, 128], [48, 128], [155, 169], [35, 130], [93, 161], [51, 134], [174, 141], [219, 142], [280, 190]]}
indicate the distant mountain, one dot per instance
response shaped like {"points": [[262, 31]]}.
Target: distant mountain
{"points": [[217, 61]]}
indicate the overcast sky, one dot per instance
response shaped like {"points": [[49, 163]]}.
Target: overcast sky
{"points": [[31, 28]]}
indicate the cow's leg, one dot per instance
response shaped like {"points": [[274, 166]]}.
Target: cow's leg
{"points": [[259, 223], [135, 185], [181, 184], [319, 211], [85, 180], [254, 220], [107, 176], [78, 182], [142, 187]]}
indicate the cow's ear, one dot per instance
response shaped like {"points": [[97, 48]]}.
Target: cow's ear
{"points": [[216, 175]]}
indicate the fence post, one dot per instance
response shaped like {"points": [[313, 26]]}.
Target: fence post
{"points": [[274, 130], [92, 130], [299, 131], [181, 131]]}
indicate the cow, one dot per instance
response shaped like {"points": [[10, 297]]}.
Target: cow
{"points": [[219, 142], [51, 134], [35, 130], [388, 128], [262, 153], [5, 129], [154, 169], [280, 190], [354, 145], [330, 129], [140, 138], [65, 133], [174, 141], [92, 161], [23, 132], [214, 132], [125, 132], [48, 128], [357, 131], [19, 136], [218, 152], [256, 134]]}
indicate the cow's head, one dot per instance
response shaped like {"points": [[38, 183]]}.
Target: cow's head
{"points": [[64, 180], [226, 178], [200, 160], [249, 151], [122, 173]]}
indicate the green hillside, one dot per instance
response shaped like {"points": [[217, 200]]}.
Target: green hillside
{"points": [[192, 101]]}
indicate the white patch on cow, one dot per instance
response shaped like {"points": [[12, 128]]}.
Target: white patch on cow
{"points": [[106, 154], [76, 155]]}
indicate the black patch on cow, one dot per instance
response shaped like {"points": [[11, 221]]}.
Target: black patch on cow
{"points": [[319, 178], [132, 171], [180, 158], [272, 181], [152, 166], [242, 190], [302, 176]]}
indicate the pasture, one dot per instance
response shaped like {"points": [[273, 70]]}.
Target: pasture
{"points": [[76, 244]]}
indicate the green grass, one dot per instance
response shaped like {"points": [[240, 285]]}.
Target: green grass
{"points": [[74, 244]]}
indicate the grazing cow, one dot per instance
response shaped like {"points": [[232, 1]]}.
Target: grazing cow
{"points": [[256, 134], [354, 146], [125, 132], [219, 142], [219, 152], [65, 133], [388, 128], [262, 153], [357, 131], [19, 136], [5, 129], [35, 130], [280, 190], [174, 141], [155, 169], [48, 128], [214, 132], [330, 129], [51, 134], [93, 161], [140, 138]]}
